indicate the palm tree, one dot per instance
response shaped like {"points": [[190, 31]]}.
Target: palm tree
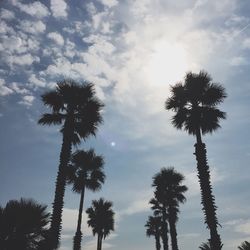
{"points": [[244, 246], [86, 171], [153, 226], [161, 211], [205, 246], [195, 103], [170, 193], [101, 219], [76, 108], [23, 225]]}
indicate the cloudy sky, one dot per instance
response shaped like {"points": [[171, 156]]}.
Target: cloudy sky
{"points": [[132, 50]]}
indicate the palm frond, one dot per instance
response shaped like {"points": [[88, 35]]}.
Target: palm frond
{"points": [[51, 119]]}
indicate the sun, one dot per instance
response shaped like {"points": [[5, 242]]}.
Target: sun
{"points": [[167, 63]]}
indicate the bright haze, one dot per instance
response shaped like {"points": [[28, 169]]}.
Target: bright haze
{"points": [[132, 50]]}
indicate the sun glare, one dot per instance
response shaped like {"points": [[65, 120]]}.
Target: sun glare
{"points": [[168, 63]]}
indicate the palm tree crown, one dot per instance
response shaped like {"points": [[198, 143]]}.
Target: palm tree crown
{"points": [[195, 102], [153, 225], [168, 194], [153, 228], [86, 170], [101, 219], [23, 225], [168, 188], [71, 99]]}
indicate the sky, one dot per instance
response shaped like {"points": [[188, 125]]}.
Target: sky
{"points": [[132, 50]]}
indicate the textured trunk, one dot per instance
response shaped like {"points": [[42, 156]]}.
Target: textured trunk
{"points": [[99, 242], [172, 229], [164, 230], [78, 234], [207, 198], [56, 218], [157, 241]]}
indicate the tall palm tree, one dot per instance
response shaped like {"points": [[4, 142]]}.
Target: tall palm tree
{"points": [[153, 226], [23, 225], [77, 109], [170, 193], [101, 219], [194, 102], [160, 210], [244, 246], [85, 171], [205, 246]]}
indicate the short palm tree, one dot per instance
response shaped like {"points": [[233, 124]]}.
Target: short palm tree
{"points": [[160, 210], [76, 108], [205, 246], [23, 225], [153, 228], [101, 219], [244, 246], [170, 193], [195, 103], [85, 172]]}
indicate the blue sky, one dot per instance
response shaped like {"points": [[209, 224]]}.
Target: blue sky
{"points": [[132, 50]]}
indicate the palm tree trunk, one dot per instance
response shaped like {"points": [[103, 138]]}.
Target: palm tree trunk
{"points": [[78, 234], [57, 207], [173, 233], [207, 198], [99, 242], [157, 241], [164, 230]]}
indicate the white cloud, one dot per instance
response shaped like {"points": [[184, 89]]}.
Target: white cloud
{"points": [[5, 29], [69, 222], [16, 87], [26, 59], [32, 27], [58, 8], [243, 227], [4, 90], [27, 100], [33, 80], [91, 8], [35, 9], [238, 61], [139, 204], [7, 14], [246, 43], [109, 3], [56, 37], [70, 49]]}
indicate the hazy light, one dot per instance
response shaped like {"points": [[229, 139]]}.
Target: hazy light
{"points": [[168, 63], [112, 144]]}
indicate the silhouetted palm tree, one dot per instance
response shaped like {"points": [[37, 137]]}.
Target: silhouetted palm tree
{"points": [[205, 246], [195, 103], [86, 171], [244, 246], [22, 225], [76, 108], [170, 193], [161, 211], [101, 219], [153, 226]]}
